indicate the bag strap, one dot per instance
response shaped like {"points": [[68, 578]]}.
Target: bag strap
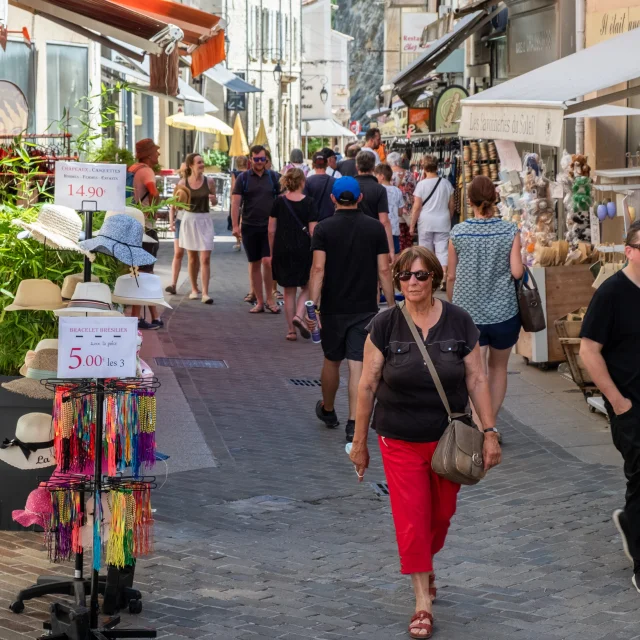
{"points": [[324, 189], [528, 275], [427, 359], [432, 191], [293, 213]]}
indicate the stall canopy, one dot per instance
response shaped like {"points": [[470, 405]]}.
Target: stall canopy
{"points": [[531, 107], [410, 82], [205, 123], [326, 128], [604, 111], [230, 80], [155, 26]]}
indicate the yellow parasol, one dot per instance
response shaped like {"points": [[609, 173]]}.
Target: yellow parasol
{"points": [[261, 136], [205, 123], [239, 146], [223, 143]]}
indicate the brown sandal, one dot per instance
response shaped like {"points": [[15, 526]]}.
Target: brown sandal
{"points": [[292, 336], [257, 309], [433, 592], [421, 621]]}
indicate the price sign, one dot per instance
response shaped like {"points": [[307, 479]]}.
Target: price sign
{"points": [[97, 347], [91, 187]]}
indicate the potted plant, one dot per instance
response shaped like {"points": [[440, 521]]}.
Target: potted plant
{"points": [[215, 161]]}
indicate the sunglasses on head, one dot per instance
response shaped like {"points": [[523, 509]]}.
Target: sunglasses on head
{"points": [[260, 159], [421, 276], [634, 246]]}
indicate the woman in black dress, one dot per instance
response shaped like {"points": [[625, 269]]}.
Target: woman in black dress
{"points": [[290, 243]]}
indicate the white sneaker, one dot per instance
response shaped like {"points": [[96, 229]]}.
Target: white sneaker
{"points": [[635, 583], [617, 515]]}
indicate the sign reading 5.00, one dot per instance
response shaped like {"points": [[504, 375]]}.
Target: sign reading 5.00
{"points": [[91, 187], [97, 347]]}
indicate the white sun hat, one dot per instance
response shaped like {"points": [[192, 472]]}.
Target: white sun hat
{"points": [[71, 282], [136, 214], [90, 299], [57, 226], [32, 447], [144, 289]]}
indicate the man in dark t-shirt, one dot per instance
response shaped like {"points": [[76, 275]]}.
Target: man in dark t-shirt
{"points": [[610, 350], [319, 187], [350, 255], [348, 167]]}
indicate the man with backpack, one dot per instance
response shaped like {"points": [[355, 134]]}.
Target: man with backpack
{"points": [[254, 191]]}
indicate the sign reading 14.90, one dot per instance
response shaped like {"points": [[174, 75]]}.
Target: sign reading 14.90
{"points": [[97, 347], [91, 187]]}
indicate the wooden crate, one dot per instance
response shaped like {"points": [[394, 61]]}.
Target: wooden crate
{"points": [[568, 332]]}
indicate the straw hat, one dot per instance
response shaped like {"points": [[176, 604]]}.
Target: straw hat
{"points": [[182, 195], [47, 343], [43, 366], [90, 299], [121, 237], [136, 214], [145, 289], [32, 448], [37, 295], [57, 226], [71, 282]]}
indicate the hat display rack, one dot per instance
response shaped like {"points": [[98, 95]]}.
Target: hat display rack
{"points": [[117, 431]]}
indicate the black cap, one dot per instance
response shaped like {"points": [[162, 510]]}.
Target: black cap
{"points": [[319, 158], [327, 153]]}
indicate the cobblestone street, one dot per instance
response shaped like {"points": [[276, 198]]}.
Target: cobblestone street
{"points": [[263, 532]]}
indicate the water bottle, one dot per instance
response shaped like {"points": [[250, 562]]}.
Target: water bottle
{"points": [[348, 448], [311, 313]]}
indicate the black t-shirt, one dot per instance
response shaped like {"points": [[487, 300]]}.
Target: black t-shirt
{"points": [[258, 194], [348, 167], [408, 405], [374, 196], [319, 188], [352, 242], [613, 320]]}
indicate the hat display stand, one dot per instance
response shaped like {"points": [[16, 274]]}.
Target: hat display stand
{"points": [[79, 622]]}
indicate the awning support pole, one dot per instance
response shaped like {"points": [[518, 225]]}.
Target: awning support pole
{"points": [[580, 29]]}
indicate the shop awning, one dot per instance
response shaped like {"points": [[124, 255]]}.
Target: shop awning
{"points": [[531, 107], [326, 128], [410, 81], [155, 26], [605, 111], [230, 80]]}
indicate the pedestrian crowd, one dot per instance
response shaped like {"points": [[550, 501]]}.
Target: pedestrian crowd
{"points": [[352, 232]]}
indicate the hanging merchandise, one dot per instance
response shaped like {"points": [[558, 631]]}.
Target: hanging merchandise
{"points": [[139, 289], [47, 343], [44, 365], [70, 283], [575, 177], [136, 214], [36, 295], [32, 446], [92, 299]]}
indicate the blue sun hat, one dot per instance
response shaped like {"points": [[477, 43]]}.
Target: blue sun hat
{"points": [[121, 237]]}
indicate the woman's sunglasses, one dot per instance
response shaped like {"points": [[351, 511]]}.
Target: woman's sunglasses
{"points": [[421, 276]]}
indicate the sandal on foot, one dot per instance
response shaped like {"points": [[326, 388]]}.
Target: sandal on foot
{"points": [[278, 294], [194, 296], [292, 336], [301, 327], [433, 592], [421, 621], [273, 308], [250, 298], [257, 309], [171, 289]]}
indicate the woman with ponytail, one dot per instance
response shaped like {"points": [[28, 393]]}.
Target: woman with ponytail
{"points": [[484, 263]]}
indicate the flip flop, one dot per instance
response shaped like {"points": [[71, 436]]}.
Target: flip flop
{"points": [[272, 308], [257, 309], [250, 298], [301, 327]]}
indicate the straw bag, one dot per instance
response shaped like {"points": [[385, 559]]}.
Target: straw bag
{"points": [[458, 456], [530, 303]]}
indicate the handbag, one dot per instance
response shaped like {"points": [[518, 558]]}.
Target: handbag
{"points": [[458, 456], [530, 303]]}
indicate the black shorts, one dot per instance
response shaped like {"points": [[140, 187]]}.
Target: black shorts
{"points": [[344, 334], [152, 248], [500, 335], [256, 242]]}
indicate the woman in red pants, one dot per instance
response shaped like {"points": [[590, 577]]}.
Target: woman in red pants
{"points": [[410, 418]]}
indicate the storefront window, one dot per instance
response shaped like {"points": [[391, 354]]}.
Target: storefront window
{"points": [[17, 65], [499, 59], [67, 84], [143, 116]]}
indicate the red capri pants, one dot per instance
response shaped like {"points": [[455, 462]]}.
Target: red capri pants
{"points": [[422, 502]]}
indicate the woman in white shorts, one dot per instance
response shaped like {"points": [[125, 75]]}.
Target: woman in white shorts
{"points": [[196, 229], [433, 208]]}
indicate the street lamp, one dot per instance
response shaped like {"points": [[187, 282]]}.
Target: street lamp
{"points": [[324, 94], [277, 73]]}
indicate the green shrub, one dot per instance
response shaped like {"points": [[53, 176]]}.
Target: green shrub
{"points": [[214, 158], [109, 152]]}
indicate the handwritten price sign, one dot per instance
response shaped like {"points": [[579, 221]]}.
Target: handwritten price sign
{"points": [[97, 347], [91, 187]]}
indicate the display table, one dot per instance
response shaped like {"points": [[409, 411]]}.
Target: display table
{"points": [[16, 484], [562, 290]]}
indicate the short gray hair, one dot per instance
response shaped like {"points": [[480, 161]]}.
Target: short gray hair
{"points": [[394, 159], [296, 156]]}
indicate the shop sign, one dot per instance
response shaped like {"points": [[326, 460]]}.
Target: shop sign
{"points": [[539, 125], [97, 347], [448, 109], [413, 24], [394, 124], [237, 101], [419, 120], [532, 41], [355, 127], [91, 187], [604, 25]]}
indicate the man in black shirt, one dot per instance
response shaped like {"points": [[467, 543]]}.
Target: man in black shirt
{"points": [[319, 187], [348, 167], [610, 350], [374, 201], [350, 256], [255, 190]]}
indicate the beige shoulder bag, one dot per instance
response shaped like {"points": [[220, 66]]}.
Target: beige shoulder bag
{"points": [[458, 456]]}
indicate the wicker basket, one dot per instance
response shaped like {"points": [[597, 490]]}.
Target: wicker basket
{"points": [[568, 330]]}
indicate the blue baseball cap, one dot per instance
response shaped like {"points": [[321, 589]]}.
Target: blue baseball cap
{"points": [[346, 190]]}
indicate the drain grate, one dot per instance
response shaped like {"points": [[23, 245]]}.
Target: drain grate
{"points": [[381, 488], [513, 373], [186, 363], [304, 382]]}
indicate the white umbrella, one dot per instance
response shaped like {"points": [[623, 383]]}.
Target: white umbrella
{"points": [[205, 123]]}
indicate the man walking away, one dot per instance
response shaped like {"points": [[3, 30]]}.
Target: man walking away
{"points": [[348, 167], [610, 350], [336, 150], [145, 194], [374, 201], [372, 141], [384, 174], [255, 190], [350, 256], [319, 187]]}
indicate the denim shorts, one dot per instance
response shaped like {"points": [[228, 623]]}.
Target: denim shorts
{"points": [[500, 335], [177, 222]]}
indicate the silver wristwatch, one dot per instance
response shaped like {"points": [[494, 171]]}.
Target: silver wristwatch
{"points": [[491, 430]]}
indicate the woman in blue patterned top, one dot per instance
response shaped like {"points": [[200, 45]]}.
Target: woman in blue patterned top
{"points": [[484, 261]]}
